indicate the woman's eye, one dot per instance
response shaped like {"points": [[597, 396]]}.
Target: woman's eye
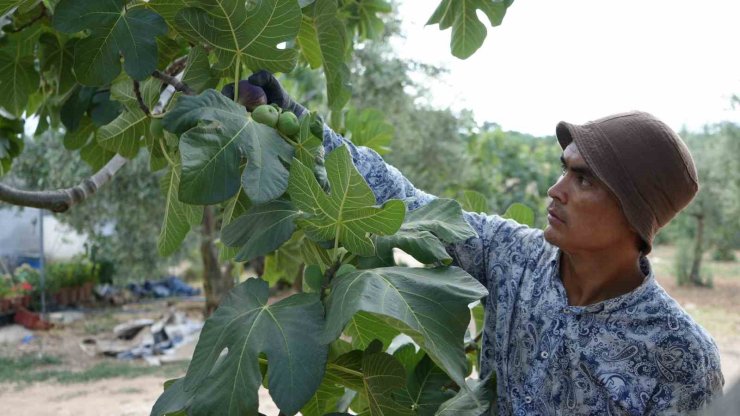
{"points": [[583, 180]]}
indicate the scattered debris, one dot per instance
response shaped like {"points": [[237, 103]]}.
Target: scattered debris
{"points": [[13, 334], [146, 338], [65, 317], [169, 286]]}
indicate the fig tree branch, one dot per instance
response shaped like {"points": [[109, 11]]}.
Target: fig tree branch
{"points": [[61, 200], [177, 84], [142, 106]]}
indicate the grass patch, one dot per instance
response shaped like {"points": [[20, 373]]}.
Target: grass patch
{"points": [[97, 324], [31, 368]]}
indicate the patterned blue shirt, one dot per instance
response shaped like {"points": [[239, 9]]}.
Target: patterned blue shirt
{"points": [[636, 354]]}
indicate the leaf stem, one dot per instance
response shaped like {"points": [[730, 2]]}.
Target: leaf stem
{"points": [[165, 153], [328, 276], [236, 78]]}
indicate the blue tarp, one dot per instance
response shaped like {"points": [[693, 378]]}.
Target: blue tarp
{"points": [[169, 286]]}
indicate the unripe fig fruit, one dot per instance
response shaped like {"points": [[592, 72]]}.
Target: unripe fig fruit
{"points": [[250, 96], [266, 114], [317, 128], [156, 128], [288, 124]]}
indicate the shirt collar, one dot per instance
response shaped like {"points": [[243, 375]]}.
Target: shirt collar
{"points": [[632, 298]]}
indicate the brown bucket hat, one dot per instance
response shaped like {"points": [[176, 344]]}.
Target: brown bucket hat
{"points": [[644, 163]]}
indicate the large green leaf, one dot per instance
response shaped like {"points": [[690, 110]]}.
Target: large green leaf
{"points": [[114, 31], [331, 38], [238, 34], [468, 32], [348, 213], [172, 400], [261, 230], [124, 134], [368, 128], [363, 15], [473, 201], [431, 305], [425, 230], [472, 401], [178, 217], [212, 151], [11, 142], [246, 326], [365, 327], [427, 388], [55, 59], [377, 376], [308, 42], [285, 263], [198, 73], [265, 177], [520, 213], [18, 77], [6, 5]]}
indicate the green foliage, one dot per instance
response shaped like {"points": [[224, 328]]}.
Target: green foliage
{"points": [[11, 142], [278, 195], [248, 327], [114, 31], [520, 213], [70, 274], [370, 129], [468, 32], [347, 214]]}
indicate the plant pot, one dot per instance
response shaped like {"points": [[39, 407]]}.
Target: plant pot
{"points": [[88, 290]]}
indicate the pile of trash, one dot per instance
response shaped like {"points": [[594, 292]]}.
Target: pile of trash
{"points": [[163, 288], [148, 339]]}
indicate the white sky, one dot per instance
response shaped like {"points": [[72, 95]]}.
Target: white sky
{"points": [[577, 60]]}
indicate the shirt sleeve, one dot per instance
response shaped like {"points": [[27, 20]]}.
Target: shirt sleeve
{"points": [[690, 395], [386, 182]]}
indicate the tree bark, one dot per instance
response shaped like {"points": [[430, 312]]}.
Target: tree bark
{"points": [[61, 200], [216, 283], [695, 275]]}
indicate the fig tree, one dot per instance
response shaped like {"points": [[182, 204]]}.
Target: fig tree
{"points": [[250, 96], [288, 124], [266, 114]]}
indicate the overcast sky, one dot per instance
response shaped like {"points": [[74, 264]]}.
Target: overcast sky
{"points": [[577, 60]]}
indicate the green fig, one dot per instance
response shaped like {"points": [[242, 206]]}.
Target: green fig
{"points": [[266, 114], [288, 124], [156, 128]]}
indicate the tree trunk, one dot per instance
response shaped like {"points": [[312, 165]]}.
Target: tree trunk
{"points": [[216, 283], [695, 276]]}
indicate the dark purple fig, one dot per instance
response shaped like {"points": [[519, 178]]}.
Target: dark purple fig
{"points": [[250, 96]]}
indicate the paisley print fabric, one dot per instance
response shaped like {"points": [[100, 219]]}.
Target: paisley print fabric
{"points": [[637, 354]]}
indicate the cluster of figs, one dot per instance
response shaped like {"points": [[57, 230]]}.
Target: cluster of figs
{"points": [[253, 98]]}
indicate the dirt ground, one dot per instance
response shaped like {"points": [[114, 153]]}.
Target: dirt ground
{"points": [[717, 309]]}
